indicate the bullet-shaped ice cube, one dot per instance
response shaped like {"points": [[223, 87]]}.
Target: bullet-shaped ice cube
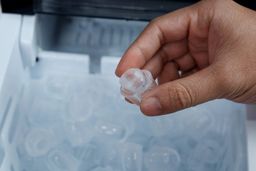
{"points": [[162, 159], [39, 141], [134, 82], [61, 159]]}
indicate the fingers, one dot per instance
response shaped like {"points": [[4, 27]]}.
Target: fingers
{"points": [[166, 29], [182, 93], [167, 53], [201, 59], [185, 63], [169, 73]]}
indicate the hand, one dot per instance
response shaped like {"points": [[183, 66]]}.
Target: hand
{"points": [[199, 53]]}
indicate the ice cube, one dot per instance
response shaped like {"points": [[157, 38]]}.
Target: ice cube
{"points": [[111, 154], [90, 156], [208, 151], [131, 155], [80, 108], [120, 156], [46, 111], [198, 120], [134, 82], [184, 144], [39, 141], [62, 159], [165, 126], [109, 130], [161, 159], [57, 87], [78, 133]]}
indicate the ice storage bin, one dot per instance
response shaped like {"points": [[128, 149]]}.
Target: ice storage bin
{"points": [[61, 109]]}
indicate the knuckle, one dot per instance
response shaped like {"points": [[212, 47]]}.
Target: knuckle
{"points": [[154, 21], [153, 24], [155, 28], [180, 96]]}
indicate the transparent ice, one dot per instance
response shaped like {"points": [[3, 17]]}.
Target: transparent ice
{"points": [[45, 111], [57, 86], [61, 159], [162, 159], [134, 82], [110, 130], [90, 157], [78, 133], [80, 110], [132, 157], [207, 153], [38, 142]]}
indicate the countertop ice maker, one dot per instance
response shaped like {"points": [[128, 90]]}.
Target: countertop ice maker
{"points": [[60, 102]]}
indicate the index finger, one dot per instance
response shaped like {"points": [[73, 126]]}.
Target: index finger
{"points": [[171, 27]]}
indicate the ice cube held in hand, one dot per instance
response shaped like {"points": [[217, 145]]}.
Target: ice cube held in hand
{"points": [[134, 82]]}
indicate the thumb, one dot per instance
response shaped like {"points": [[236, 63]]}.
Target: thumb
{"points": [[182, 93]]}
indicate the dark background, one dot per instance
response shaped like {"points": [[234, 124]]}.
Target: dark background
{"points": [[146, 10]]}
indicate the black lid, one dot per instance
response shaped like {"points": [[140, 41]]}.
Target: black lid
{"points": [[125, 9], [17, 6]]}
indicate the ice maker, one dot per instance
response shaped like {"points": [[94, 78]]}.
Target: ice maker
{"points": [[60, 104]]}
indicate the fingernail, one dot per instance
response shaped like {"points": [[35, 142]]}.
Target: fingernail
{"points": [[151, 106]]}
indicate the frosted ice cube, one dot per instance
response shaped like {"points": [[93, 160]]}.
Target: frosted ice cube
{"points": [[45, 111], [161, 159], [39, 141], [57, 87], [207, 152], [78, 133], [198, 119], [111, 155], [108, 129], [90, 157], [184, 144], [61, 159], [165, 126], [80, 109], [86, 99], [131, 155], [29, 162], [134, 82]]}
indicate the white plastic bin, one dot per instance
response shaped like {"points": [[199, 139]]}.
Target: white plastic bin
{"points": [[61, 110]]}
